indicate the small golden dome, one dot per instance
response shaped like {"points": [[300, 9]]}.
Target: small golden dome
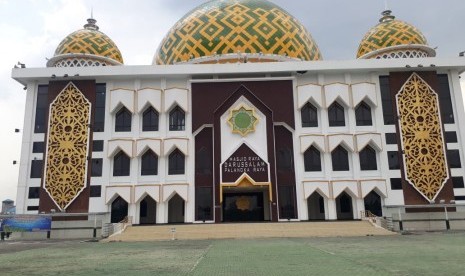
{"points": [[393, 38], [86, 47]]}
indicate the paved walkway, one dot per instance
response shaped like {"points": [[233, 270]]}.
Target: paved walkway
{"points": [[250, 230]]}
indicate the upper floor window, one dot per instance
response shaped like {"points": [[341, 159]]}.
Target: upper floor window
{"points": [[99, 114], [368, 159], [309, 115], [123, 120], [176, 162], [340, 159], [149, 163], [40, 123], [36, 168], [177, 119], [363, 115], [312, 160], [150, 120], [336, 115], [121, 164], [96, 167]]}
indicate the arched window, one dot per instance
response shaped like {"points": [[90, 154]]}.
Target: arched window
{"points": [[149, 163], [123, 120], [119, 210], [176, 163], [177, 119], [309, 115], [368, 159], [150, 120], [363, 115], [121, 164], [340, 159], [336, 115], [312, 160]]}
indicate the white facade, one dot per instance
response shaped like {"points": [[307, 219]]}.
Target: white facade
{"points": [[164, 87]]}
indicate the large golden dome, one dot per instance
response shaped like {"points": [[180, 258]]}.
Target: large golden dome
{"points": [[86, 47], [223, 31], [393, 38]]}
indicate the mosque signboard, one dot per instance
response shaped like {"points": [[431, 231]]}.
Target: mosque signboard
{"points": [[244, 160]]}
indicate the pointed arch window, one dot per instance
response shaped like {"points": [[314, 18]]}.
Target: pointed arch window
{"points": [[309, 115], [176, 163], [121, 164], [177, 119], [336, 115], [150, 120], [312, 160], [363, 115], [149, 163], [123, 120], [340, 159], [368, 159]]}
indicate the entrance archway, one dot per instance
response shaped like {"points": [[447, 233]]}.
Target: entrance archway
{"points": [[344, 207], [147, 211], [243, 206], [176, 209], [373, 204], [316, 207], [119, 210]]}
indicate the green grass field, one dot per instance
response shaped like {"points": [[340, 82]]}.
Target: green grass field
{"points": [[425, 254]]}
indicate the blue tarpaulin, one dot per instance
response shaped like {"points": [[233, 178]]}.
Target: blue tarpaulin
{"points": [[25, 223]]}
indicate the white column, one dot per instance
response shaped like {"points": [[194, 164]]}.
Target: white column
{"points": [[162, 212], [360, 206], [332, 211]]}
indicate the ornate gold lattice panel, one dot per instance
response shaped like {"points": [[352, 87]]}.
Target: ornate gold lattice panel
{"points": [[67, 146], [422, 138]]}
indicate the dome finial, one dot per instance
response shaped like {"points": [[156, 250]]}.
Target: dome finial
{"points": [[387, 16], [91, 21]]}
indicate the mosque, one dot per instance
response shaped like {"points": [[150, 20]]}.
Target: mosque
{"points": [[240, 119]]}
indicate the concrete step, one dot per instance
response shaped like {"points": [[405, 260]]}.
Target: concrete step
{"points": [[249, 230]]}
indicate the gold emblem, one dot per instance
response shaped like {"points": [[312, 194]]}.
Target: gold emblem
{"points": [[243, 203], [422, 137], [242, 120]]}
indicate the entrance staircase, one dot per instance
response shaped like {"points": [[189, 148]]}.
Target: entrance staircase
{"points": [[249, 230]]}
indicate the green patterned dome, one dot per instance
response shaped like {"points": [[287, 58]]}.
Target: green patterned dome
{"points": [[393, 38], [86, 47], [222, 31]]}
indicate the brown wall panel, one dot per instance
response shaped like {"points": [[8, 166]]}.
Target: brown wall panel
{"points": [[229, 99], [276, 95]]}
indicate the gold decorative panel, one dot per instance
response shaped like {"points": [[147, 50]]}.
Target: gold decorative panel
{"points": [[422, 138], [67, 146]]}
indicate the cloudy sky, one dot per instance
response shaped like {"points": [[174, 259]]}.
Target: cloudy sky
{"points": [[30, 30]]}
